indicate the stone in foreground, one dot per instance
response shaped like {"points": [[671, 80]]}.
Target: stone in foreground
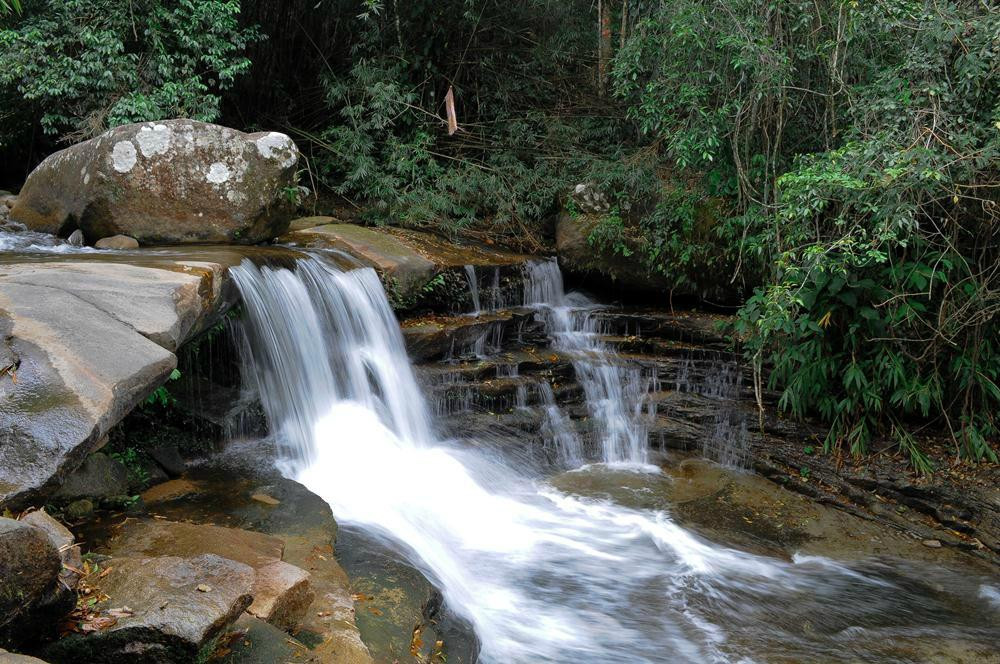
{"points": [[175, 607], [117, 242], [31, 596], [281, 591], [171, 182]]}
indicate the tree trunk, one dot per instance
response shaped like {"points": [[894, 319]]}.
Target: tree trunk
{"points": [[624, 30], [604, 45]]}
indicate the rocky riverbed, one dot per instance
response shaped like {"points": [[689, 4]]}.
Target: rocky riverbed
{"points": [[146, 514]]}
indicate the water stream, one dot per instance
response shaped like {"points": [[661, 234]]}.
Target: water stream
{"points": [[545, 575]]}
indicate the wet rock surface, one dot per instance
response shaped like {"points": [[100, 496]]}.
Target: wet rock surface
{"points": [[168, 609], [400, 614], [240, 489], [84, 338], [64, 542], [418, 270], [169, 182], [281, 592]]}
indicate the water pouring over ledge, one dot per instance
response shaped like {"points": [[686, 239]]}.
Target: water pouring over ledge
{"points": [[544, 575]]}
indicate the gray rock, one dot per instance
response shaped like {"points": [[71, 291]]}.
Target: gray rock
{"points": [[62, 539], [81, 370], [75, 238], [169, 459], [178, 605], [30, 593], [100, 476], [162, 305], [117, 242], [170, 182]]}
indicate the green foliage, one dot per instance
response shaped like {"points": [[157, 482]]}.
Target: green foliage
{"points": [[83, 66], [161, 396], [858, 145], [133, 461]]}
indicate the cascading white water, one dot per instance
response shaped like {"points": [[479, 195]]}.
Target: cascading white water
{"points": [[558, 430], [615, 391], [542, 575], [470, 274]]}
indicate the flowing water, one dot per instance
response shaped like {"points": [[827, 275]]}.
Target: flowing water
{"points": [[470, 274], [615, 390], [542, 574]]}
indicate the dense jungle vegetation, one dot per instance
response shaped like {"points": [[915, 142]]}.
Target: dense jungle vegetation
{"points": [[833, 163]]}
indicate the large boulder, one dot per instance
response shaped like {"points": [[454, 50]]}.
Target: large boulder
{"points": [[170, 182], [580, 258], [31, 595]]}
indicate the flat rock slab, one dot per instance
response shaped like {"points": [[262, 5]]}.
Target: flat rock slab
{"points": [[85, 338], [14, 658], [161, 305], [390, 256], [178, 605], [79, 371], [281, 591], [406, 260]]}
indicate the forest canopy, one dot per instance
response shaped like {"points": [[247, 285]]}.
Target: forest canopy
{"points": [[832, 166]]}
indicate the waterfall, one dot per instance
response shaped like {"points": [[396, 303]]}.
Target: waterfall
{"points": [[470, 274], [615, 391], [541, 574]]}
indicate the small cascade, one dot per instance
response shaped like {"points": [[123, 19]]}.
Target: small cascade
{"points": [[729, 441], [560, 438], [470, 274], [496, 293], [615, 391]]}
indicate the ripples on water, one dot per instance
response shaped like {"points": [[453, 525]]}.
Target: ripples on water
{"points": [[16, 237], [544, 575]]}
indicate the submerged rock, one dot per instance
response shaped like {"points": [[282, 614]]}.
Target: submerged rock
{"points": [[117, 242], [170, 182], [168, 609]]}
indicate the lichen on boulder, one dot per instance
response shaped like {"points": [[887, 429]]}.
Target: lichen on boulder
{"points": [[171, 182]]}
